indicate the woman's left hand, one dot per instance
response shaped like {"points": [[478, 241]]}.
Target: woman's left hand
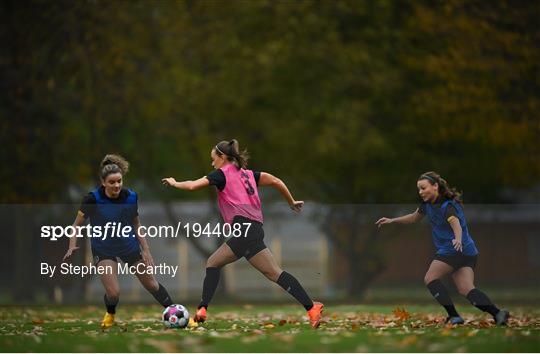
{"points": [[457, 245], [147, 258]]}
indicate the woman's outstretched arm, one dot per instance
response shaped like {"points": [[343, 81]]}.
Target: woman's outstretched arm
{"points": [[186, 185], [405, 219], [267, 179]]}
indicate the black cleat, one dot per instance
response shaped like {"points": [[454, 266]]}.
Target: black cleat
{"points": [[455, 320], [501, 318]]}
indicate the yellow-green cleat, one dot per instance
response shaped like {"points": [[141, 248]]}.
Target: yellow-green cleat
{"points": [[108, 320]]}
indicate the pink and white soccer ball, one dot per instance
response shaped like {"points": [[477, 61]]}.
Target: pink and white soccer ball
{"points": [[175, 316]]}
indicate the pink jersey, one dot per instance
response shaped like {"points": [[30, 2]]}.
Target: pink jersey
{"points": [[240, 196]]}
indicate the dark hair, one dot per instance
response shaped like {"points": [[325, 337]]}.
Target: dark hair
{"points": [[444, 189], [113, 164], [231, 149]]}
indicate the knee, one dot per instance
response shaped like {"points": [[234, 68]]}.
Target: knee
{"points": [[213, 262], [210, 263], [428, 278], [464, 289], [272, 274], [152, 285]]}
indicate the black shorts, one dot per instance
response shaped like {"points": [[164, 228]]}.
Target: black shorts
{"points": [[457, 261], [250, 243], [130, 258]]}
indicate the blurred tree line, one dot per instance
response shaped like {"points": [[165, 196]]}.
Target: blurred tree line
{"points": [[347, 101]]}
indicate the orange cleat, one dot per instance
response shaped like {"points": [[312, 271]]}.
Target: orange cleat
{"points": [[200, 316], [315, 314]]}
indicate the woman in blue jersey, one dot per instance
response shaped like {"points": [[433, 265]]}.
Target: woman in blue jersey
{"points": [[456, 251], [107, 204]]}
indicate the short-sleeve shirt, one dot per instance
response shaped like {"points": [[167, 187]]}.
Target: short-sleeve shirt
{"points": [[217, 178], [450, 210], [441, 230]]}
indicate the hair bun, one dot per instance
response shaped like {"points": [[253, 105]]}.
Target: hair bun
{"points": [[113, 159]]}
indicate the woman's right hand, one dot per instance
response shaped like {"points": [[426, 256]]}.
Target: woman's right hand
{"points": [[297, 205], [383, 221], [69, 252]]}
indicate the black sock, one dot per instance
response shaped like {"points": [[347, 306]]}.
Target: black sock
{"points": [[110, 304], [439, 292], [481, 301], [210, 284], [292, 286], [162, 296]]}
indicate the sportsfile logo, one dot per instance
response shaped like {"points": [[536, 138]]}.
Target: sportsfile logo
{"points": [[109, 230], [117, 230]]}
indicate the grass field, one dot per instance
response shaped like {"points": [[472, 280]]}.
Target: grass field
{"points": [[266, 328]]}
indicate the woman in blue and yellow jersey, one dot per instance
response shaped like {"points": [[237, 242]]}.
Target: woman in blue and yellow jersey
{"points": [[111, 204], [456, 252]]}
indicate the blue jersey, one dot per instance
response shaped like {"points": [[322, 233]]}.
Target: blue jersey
{"points": [[121, 211], [442, 232]]}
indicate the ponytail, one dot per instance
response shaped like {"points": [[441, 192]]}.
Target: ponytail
{"points": [[444, 189], [231, 149]]}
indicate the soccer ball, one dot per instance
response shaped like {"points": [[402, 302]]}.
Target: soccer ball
{"points": [[175, 316]]}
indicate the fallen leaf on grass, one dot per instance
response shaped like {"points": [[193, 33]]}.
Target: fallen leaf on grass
{"points": [[351, 316], [472, 333], [417, 324], [144, 329], [92, 333], [484, 324], [401, 314]]}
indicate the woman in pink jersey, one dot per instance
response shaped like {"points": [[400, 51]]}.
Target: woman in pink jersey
{"points": [[240, 206]]}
